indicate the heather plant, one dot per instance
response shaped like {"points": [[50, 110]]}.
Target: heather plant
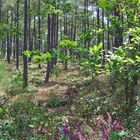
{"points": [[106, 128], [109, 126]]}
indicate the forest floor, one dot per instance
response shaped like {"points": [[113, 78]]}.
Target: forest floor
{"points": [[65, 90], [69, 95], [58, 94]]}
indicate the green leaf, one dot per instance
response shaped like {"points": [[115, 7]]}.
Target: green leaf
{"points": [[96, 49], [138, 109], [27, 53], [31, 126], [138, 58], [122, 133], [114, 136], [1, 110], [107, 4], [49, 56], [84, 62]]}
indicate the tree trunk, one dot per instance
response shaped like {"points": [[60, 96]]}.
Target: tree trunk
{"points": [[117, 29], [30, 37], [98, 24], [65, 49], [8, 40], [108, 36], [25, 46], [34, 34], [48, 41], [0, 11], [17, 35], [39, 30], [103, 37], [11, 35]]}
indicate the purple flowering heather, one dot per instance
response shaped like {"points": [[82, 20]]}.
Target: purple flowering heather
{"points": [[103, 126], [81, 136], [72, 135], [65, 130], [107, 127]]}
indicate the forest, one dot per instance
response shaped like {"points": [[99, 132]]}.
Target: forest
{"points": [[69, 69]]}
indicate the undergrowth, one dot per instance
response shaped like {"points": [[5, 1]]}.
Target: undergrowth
{"points": [[4, 77], [11, 82]]}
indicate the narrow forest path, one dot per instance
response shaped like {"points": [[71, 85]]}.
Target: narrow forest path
{"points": [[57, 95]]}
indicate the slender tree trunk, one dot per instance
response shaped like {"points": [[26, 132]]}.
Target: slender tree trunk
{"points": [[48, 41], [71, 28], [52, 37], [1, 20], [34, 34], [61, 30], [25, 46], [103, 37], [17, 35], [108, 35], [65, 33], [75, 25], [56, 36], [98, 24], [39, 30], [85, 21], [30, 37], [11, 35], [121, 30], [116, 40], [88, 27], [8, 40], [0, 11], [14, 45]]}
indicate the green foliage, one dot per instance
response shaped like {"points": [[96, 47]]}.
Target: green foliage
{"points": [[49, 8], [125, 59], [43, 57], [87, 35], [12, 82], [57, 101], [66, 7], [53, 102], [2, 70], [137, 109], [124, 65], [31, 88], [27, 53], [67, 43], [7, 130], [25, 119], [22, 115], [3, 29], [92, 62], [16, 84], [95, 50], [117, 135], [65, 46], [62, 56], [38, 56], [107, 4], [4, 77]]}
